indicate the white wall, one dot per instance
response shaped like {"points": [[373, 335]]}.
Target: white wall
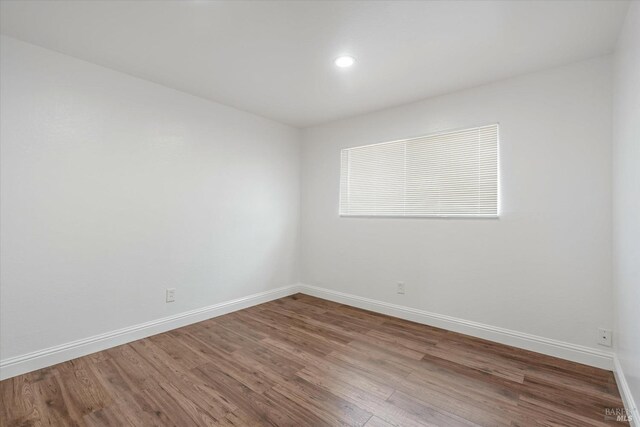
{"points": [[626, 198], [543, 268], [114, 188]]}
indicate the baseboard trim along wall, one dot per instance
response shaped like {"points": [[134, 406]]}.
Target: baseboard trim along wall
{"points": [[50, 356], [576, 353], [625, 392]]}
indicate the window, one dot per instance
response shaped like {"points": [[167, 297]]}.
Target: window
{"points": [[449, 174]]}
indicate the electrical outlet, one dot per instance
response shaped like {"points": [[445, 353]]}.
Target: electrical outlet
{"points": [[171, 294], [400, 289], [604, 337]]}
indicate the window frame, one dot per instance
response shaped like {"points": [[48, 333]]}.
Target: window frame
{"points": [[495, 216]]}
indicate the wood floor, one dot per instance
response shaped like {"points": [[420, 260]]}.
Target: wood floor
{"points": [[303, 361]]}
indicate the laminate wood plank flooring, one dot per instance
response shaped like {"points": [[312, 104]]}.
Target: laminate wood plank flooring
{"points": [[304, 361]]}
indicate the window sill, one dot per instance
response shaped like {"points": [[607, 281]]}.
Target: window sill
{"points": [[420, 216]]}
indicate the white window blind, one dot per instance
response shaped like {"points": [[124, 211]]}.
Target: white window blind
{"points": [[448, 174]]}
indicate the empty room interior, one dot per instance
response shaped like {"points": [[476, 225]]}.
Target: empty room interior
{"points": [[319, 213]]}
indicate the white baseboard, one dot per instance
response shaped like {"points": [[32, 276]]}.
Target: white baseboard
{"points": [[50, 356], [629, 403], [564, 350]]}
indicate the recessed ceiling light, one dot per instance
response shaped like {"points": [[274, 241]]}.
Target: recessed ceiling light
{"points": [[344, 61]]}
